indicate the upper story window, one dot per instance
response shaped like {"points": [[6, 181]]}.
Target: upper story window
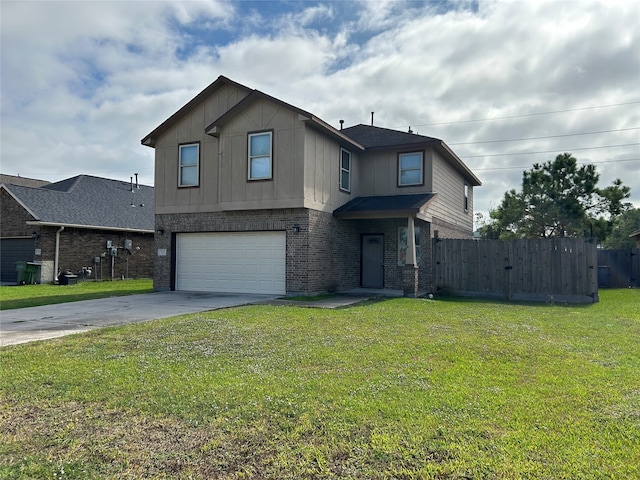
{"points": [[345, 170], [466, 197], [189, 159], [410, 169], [260, 156]]}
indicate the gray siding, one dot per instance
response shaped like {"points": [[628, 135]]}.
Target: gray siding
{"points": [[448, 206], [170, 198], [379, 174], [322, 172]]}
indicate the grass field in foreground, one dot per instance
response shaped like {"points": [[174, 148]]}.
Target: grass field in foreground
{"points": [[403, 388], [21, 296]]}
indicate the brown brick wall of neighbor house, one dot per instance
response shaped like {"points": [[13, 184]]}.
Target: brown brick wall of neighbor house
{"points": [[323, 256], [13, 217], [79, 247]]}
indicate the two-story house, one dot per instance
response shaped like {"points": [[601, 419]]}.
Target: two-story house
{"points": [[255, 195]]}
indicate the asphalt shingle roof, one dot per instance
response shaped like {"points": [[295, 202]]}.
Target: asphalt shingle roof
{"points": [[89, 201], [374, 137], [386, 203]]}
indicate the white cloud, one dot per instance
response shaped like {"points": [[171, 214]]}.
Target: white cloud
{"points": [[79, 92]]}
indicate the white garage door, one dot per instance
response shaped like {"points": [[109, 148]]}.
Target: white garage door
{"points": [[247, 262]]}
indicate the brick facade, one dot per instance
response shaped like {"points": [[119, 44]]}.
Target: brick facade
{"points": [[13, 217], [78, 247], [322, 253]]}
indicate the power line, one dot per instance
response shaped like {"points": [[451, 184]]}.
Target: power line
{"points": [[525, 114], [548, 151], [548, 136], [579, 163]]}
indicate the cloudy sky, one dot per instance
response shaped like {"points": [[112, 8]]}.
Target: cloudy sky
{"points": [[504, 84]]}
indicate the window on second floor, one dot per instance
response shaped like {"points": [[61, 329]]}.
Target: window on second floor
{"points": [[345, 170], [260, 156], [188, 161], [410, 169], [466, 197]]}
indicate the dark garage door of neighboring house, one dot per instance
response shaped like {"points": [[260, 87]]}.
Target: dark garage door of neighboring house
{"points": [[14, 250]]}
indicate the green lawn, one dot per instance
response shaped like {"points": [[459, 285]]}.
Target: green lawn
{"points": [[36, 295], [403, 388]]}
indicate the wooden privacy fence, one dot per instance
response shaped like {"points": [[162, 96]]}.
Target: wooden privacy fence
{"points": [[619, 268], [552, 270]]}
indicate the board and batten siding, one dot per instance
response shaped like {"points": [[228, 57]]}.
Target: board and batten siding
{"points": [[168, 198], [448, 205], [284, 189], [322, 172], [379, 174]]}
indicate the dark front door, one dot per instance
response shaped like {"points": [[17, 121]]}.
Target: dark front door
{"points": [[372, 261]]}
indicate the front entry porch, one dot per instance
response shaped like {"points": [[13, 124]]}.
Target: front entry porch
{"points": [[390, 255]]}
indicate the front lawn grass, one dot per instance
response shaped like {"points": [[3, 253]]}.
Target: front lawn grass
{"points": [[21, 296], [403, 388]]}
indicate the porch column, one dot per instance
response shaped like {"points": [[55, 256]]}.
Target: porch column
{"points": [[410, 273], [411, 243]]}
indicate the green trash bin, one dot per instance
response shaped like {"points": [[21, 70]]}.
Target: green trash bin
{"points": [[31, 272], [21, 268]]}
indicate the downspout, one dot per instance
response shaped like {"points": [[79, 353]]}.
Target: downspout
{"points": [[57, 255]]}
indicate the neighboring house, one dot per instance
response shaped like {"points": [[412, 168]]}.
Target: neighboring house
{"points": [[255, 195], [66, 226], [636, 235]]}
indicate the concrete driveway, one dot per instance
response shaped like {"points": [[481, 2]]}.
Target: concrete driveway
{"points": [[51, 321]]}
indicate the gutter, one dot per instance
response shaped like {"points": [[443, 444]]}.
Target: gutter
{"points": [[88, 227]]}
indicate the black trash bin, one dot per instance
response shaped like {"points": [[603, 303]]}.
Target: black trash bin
{"points": [[68, 278]]}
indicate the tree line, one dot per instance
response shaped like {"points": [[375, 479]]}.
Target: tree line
{"points": [[558, 198]]}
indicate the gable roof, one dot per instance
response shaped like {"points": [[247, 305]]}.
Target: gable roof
{"points": [[383, 206], [219, 82], [378, 138], [91, 202], [303, 115], [252, 96], [361, 137]]}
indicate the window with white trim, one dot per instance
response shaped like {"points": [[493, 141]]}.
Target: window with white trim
{"points": [[402, 245], [345, 170], [188, 161], [410, 169], [260, 156]]}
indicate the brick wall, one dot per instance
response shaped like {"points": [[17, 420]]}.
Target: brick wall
{"points": [[13, 217], [324, 255], [79, 247], [297, 271]]}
